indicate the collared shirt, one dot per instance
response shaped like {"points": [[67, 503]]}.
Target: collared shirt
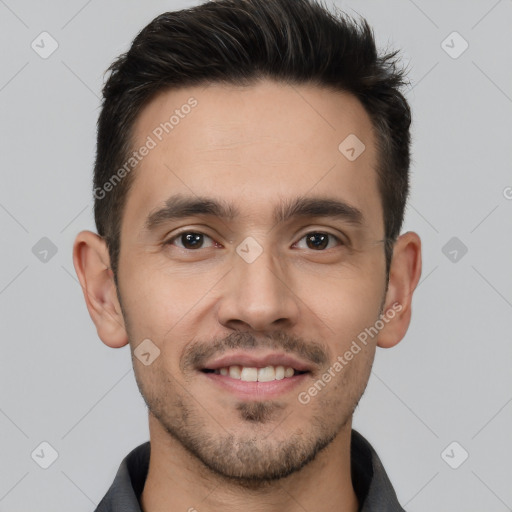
{"points": [[371, 483]]}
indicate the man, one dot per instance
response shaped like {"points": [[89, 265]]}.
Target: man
{"points": [[250, 184]]}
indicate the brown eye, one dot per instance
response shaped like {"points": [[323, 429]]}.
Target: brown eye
{"points": [[318, 240], [189, 240]]}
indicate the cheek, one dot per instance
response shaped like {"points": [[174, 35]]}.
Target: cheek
{"points": [[344, 304], [166, 307], [158, 298]]}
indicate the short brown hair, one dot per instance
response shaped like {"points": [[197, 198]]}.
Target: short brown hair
{"points": [[238, 42]]}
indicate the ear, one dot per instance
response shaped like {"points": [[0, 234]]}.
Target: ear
{"points": [[92, 265], [404, 274]]}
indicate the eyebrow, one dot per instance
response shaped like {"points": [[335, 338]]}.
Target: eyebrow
{"points": [[180, 206]]}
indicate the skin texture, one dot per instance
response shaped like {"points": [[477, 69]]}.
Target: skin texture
{"points": [[252, 147]]}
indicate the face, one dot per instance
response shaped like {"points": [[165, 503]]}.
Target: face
{"points": [[252, 258]]}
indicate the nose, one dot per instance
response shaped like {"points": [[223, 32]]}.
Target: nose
{"points": [[258, 296]]}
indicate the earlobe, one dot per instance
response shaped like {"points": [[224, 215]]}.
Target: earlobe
{"points": [[404, 275], [92, 265]]}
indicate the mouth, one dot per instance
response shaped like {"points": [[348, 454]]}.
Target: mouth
{"points": [[254, 374], [257, 377]]}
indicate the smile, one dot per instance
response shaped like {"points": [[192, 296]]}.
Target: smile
{"points": [[253, 374]]}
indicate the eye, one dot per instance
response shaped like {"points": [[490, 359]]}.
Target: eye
{"points": [[190, 240], [319, 240]]}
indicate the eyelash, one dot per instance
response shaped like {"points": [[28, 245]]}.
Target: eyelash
{"points": [[178, 235]]}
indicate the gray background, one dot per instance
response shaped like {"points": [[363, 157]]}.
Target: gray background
{"points": [[448, 380]]}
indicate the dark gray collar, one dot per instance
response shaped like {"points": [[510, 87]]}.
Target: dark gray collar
{"points": [[371, 483]]}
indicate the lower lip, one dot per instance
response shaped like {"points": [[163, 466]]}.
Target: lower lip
{"points": [[256, 390]]}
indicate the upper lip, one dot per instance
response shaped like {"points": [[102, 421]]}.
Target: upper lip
{"points": [[252, 360]]}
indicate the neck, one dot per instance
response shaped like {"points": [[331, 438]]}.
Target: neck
{"points": [[179, 481]]}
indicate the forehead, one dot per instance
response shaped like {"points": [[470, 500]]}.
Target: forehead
{"points": [[251, 145]]}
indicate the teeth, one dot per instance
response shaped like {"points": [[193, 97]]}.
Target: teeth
{"points": [[266, 374], [234, 372], [252, 374], [249, 374]]}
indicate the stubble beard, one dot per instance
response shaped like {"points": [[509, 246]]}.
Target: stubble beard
{"points": [[257, 459]]}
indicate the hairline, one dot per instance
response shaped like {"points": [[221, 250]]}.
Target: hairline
{"points": [[380, 139]]}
